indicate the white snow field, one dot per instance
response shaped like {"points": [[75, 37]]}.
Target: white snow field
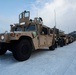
{"points": [[61, 61]]}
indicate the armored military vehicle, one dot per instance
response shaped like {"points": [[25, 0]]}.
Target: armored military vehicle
{"points": [[58, 38], [61, 37], [71, 39], [26, 36], [65, 38]]}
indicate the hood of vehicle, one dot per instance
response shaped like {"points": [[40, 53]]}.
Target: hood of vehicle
{"points": [[6, 37]]}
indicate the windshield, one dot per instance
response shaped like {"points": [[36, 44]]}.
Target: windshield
{"points": [[18, 29], [26, 28], [63, 36], [30, 28]]}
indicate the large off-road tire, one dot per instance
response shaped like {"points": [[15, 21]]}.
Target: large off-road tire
{"points": [[55, 44], [22, 50], [61, 43], [2, 49], [64, 42], [52, 47]]}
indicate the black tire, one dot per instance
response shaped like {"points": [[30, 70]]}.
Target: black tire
{"points": [[61, 43], [2, 50], [52, 47], [55, 44], [22, 50], [64, 42]]}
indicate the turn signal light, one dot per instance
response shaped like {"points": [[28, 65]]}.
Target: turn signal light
{"points": [[13, 34]]}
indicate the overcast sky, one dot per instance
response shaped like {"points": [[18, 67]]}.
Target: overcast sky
{"points": [[65, 12]]}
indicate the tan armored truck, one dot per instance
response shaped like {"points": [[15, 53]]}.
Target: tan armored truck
{"points": [[71, 39], [65, 38], [61, 38], [26, 36]]}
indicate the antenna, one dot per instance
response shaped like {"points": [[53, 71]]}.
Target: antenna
{"points": [[68, 29], [55, 17], [55, 30]]}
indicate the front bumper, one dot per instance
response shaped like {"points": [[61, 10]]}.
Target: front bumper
{"points": [[6, 38]]}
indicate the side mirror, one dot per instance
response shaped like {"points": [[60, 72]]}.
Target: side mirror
{"points": [[11, 27]]}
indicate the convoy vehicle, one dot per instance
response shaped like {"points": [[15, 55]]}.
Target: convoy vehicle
{"points": [[71, 39], [65, 38], [26, 36], [61, 38]]}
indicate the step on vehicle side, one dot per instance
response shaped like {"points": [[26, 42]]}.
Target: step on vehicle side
{"points": [[26, 36]]}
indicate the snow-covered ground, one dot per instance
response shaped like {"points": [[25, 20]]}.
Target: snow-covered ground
{"points": [[62, 61]]}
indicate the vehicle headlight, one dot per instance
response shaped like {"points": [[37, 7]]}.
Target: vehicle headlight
{"points": [[2, 37]]}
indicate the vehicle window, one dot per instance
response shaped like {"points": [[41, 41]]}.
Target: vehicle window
{"points": [[38, 20], [26, 14], [18, 29], [45, 31], [30, 28], [63, 36]]}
